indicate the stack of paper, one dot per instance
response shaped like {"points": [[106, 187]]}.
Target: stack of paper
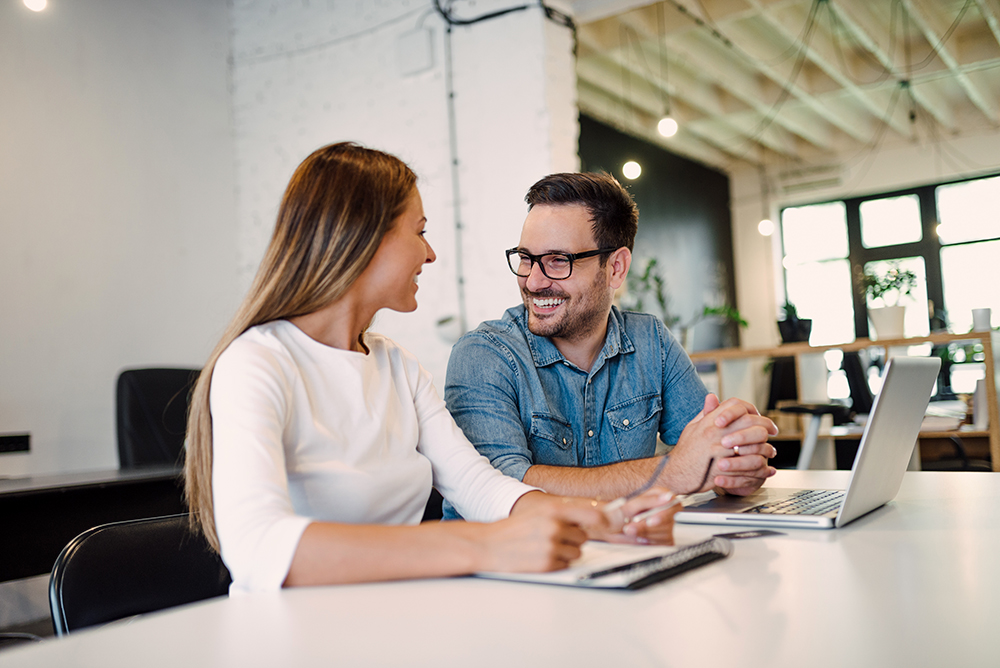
{"points": [[944, 416]]}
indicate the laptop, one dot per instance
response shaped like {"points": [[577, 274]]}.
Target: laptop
{"points": [[883, 455]]}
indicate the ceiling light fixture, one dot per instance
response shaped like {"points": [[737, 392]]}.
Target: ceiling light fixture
{"points": [[631, 170], [36, 5], [667, 126]]}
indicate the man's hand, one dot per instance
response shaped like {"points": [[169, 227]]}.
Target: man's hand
{"points": [[732, 433]]}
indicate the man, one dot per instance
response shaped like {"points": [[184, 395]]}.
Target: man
{"points": [[568, 393]]}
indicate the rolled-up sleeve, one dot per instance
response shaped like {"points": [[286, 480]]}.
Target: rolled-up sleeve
{"points": [[683, 390], [482, 395]]}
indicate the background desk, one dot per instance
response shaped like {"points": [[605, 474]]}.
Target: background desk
{"points": [[41, 514], [736, 376], [913, 584]]}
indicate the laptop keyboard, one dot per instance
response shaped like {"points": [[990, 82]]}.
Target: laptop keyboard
{"points": [[804, 502]]}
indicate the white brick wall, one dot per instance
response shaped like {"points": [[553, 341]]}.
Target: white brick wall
{"points": [[305, 75]]}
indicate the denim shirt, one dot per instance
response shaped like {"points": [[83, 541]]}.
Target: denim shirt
{"points": [[521, 402]]}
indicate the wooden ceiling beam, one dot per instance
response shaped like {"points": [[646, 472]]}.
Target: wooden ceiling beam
{"points": [[934, 27], [605, 108], [647, 102], [823, 52], [857, 19]]}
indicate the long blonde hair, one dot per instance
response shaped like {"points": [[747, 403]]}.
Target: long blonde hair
{"points": [[338, 206]]}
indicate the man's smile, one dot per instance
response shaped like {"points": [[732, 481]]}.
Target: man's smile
{"points": [[547, 302]]}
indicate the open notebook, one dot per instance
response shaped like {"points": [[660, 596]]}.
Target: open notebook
{"points": [[614, 566]]}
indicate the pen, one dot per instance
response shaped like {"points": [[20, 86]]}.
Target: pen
{"points": [[646, 514]]}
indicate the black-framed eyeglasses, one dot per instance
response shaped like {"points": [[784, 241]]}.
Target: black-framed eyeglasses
{"points": [[555, 266]]}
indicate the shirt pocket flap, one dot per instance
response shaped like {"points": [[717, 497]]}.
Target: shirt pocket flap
{"points": [[633, 414], [552, 428]]}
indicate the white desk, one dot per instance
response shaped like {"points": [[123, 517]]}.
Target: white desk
{"points": [[914, 584]]}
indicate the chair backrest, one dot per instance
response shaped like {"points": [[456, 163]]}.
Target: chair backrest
{"points": [[152, 415], [856, 370], [128, 568]]}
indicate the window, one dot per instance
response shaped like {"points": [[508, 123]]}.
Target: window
{"points": [[890, 220], [968, 229], [948, 234], [817, 271]]}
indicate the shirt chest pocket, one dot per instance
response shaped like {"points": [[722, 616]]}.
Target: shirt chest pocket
{"points": [[634, 424], [551, 441]]}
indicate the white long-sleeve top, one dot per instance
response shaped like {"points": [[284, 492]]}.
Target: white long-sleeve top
{"points": [[303, 432]]}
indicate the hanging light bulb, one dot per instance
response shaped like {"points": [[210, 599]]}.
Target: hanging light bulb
{"points": [[631, 170], [667, 126]]}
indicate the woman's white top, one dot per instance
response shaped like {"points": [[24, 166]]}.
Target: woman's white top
{"points": [[304, 432]]}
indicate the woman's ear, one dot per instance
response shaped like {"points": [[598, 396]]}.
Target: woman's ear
{"points": [[619, 263]]}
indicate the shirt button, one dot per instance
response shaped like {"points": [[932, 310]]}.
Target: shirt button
{"points": [[590, 432], [564, 441], [625, 422]]}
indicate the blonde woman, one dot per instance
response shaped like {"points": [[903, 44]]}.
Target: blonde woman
{"points": [[313, 443]]}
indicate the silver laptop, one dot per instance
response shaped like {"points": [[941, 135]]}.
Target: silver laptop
{"points": [[883, 455]]}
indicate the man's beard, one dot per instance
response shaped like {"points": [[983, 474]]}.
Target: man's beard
{"points": [[582, 314]]}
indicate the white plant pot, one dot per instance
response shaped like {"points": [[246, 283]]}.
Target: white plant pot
{"points": [[887, 321]]}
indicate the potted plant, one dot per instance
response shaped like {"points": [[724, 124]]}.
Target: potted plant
{"points": [[650, 283], [793, 328], [884, 290]]}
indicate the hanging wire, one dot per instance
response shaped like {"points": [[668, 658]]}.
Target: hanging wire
{"points": [[786, 90], [765, 192], [266, 57], [944, 38], [661, 37], [452, 20], [873, 146], [627, 107]]}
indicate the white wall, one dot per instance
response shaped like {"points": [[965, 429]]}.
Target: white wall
{"points": [[895, 166], [117, 212], [308, 74]]}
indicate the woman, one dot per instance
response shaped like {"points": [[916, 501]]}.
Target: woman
{"points": [[313, 444]]}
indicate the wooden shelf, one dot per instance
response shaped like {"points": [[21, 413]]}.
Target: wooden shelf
{"points": [[856, 435], [793, 349], [732, 370]]}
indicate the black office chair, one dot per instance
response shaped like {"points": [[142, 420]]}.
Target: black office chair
{"points": [[152, 415], [122, 569]]}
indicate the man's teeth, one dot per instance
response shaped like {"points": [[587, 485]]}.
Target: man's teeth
{"points": [[547, 303]]}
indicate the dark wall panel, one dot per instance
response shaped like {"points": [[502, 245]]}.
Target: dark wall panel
{"points": [[684, 222]]}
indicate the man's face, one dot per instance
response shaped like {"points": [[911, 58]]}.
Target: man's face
{"points": [[573, 307]]}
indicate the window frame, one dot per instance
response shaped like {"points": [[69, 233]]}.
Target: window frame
{"points": [[929, 247]]}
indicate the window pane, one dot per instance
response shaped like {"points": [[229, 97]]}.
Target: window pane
{"points": [[822, 291], [917, 322], [969, 211], [971, 276], [890, 221], [817, 232]]}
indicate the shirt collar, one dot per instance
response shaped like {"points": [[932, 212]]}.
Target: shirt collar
{"points": [[545, 353]]}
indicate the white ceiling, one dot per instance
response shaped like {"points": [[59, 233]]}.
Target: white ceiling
{"points": [[790, 82]]}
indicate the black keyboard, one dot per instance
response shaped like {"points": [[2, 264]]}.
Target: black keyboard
{"points": [[804, 502]]}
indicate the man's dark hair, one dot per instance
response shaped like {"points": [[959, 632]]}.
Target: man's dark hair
{"points": [[613, 213]]}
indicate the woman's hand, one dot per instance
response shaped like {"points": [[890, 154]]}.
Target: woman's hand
{"points": [[646, 519], [543, 533]]}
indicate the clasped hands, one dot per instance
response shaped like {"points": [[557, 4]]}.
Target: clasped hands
{"points": [[725, 446], [730, 438]]}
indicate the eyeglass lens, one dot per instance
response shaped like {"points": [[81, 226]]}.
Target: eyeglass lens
{"points": [[554, 265]]}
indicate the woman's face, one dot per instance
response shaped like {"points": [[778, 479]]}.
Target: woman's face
{"points": [[391, 277]]}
